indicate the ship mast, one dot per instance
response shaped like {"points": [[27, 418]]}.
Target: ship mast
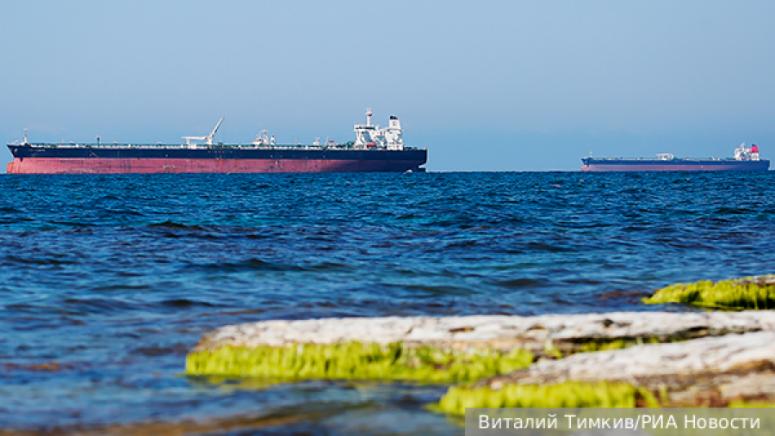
{"points": [[365, 133]]}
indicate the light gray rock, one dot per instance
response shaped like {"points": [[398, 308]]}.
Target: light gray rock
{"points": [[536, 333], [698, 356], [720, 356], [707, 371]]}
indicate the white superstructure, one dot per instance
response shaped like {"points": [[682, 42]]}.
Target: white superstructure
{"points": [[370, 136], [747, 153], [264, 139]]}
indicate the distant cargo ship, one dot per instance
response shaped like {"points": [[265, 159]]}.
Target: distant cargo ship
{"points": [[745, 159], [374, 149]]}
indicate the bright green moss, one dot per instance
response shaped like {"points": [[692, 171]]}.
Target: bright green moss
{"points": [[566, 394], [552, 352], [355, 360], [615, 344], [746, 293], [599, 344]]}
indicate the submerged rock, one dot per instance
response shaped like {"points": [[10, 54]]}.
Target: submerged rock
{"points": [[757, 292]]}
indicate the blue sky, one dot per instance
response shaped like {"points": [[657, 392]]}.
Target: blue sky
{"points": [[486, 85]]}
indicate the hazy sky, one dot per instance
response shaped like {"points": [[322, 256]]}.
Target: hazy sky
{"points": [[486, 85]]}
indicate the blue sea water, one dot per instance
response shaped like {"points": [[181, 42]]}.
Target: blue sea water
{"points": [[107, 281]]}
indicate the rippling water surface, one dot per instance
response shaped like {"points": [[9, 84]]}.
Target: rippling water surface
{"points": [[107, 281]]}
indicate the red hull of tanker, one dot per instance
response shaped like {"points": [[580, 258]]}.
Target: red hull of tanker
{"points": [[161, 165]]}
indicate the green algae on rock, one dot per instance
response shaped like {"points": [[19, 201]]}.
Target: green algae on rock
{"points": [[593, 345], [569, 394], [597, 344], [356, 361], [757, 292]]}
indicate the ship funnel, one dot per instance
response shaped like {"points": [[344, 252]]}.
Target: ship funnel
{"points": [[755, 152], [393, 134]]}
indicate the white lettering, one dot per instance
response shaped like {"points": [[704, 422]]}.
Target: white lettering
{"points": [[484, 422]]}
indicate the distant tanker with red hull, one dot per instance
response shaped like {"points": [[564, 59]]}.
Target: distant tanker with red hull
{"points": [[745, 159], [374, 149]]}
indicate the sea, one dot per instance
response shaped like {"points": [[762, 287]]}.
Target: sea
{"points": [[107, 281]]}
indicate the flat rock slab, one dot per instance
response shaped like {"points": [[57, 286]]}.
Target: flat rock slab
{"points": [[709, 371], [721, 354], [535, 333]]}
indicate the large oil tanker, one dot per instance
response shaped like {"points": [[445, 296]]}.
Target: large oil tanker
{"points": [[745, 159], [374, 149]]}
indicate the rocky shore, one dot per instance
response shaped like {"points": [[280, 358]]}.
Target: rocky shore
{"points": [[622, 359]]}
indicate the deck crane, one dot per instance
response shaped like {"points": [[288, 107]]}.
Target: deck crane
{"points": [[207, 139]]}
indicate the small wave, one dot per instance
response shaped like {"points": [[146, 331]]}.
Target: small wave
{"points": [[682, 180], [23, 307], [543, 246], [129, 212], [582, 281], [684, 243], [463, 244], [522, 282], [172, 225], [328, 266], [38, 260], [15, 220], [255, 264], [121, 287], [96, 305], [733, 211], [70, 223], [185, 302], [439, 289]]}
